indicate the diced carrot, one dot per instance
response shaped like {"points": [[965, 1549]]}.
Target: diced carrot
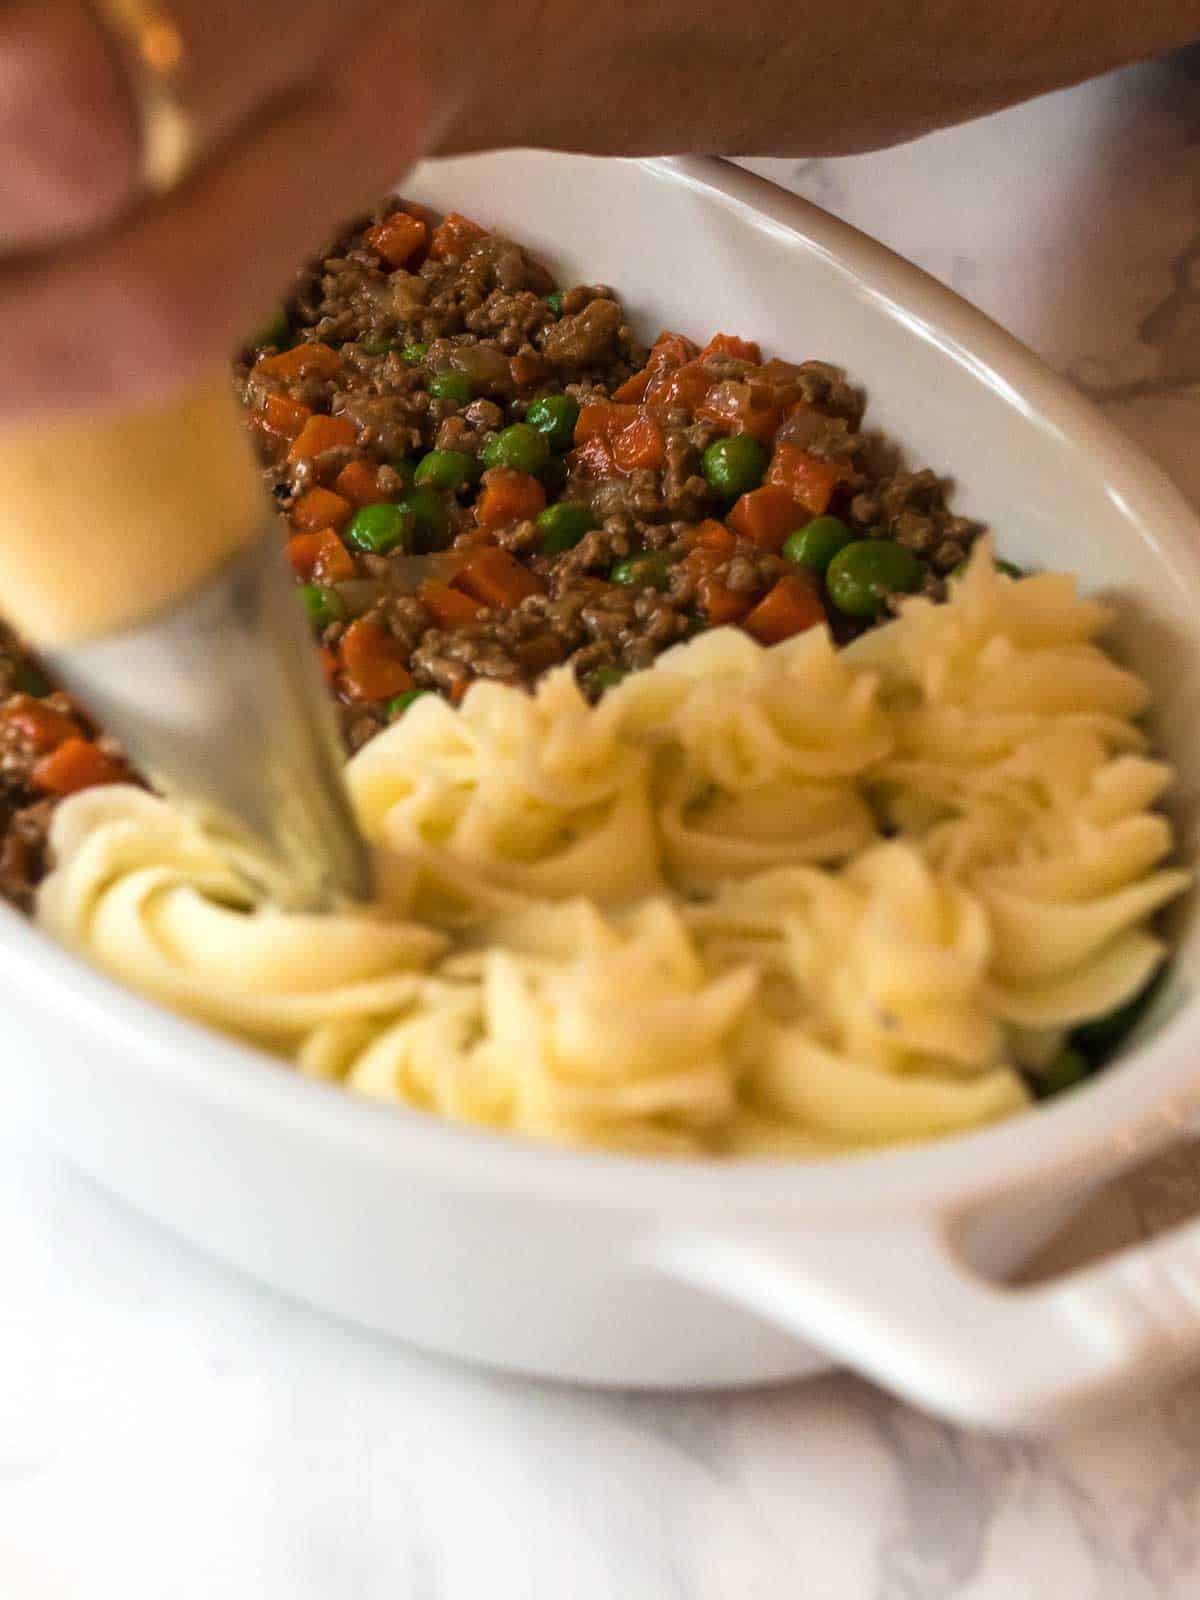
{"points": [[496, 578], [358, 482], [302, 361], [41, 727], [721, 604], [681, 386], [766, 516], [448, 607], [671, 350], [328, 663], [76, 764], [320, 508], [397, 238], [641, 444], [283, 416], [454, 237], [809, 481], [508, 496], [334, 563], [302, 551], [728, 344], [373, 661], [526, 369], [634, 388], [321, 433], [604, 419], [321, 556], [790, 607], [709, 545], [702, 563], [593, 459], [741, 407], [415, 209], [711, 537]]}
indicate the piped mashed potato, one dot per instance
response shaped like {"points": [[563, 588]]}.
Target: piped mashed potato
{"points": [[790, 900]]}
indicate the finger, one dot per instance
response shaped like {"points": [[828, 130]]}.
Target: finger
{"points": [[135, 313], [69, 128], [239, 57]]}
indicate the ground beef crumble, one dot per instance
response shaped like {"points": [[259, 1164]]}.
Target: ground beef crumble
{"points": [[382, 402]]}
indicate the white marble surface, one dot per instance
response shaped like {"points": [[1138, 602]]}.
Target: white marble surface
{"points": [[170, 1433]]}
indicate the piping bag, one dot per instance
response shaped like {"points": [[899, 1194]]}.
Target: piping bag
{"points": [[141, 556]]}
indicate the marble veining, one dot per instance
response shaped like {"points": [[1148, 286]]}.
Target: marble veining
{"points": [[170, 1432]]}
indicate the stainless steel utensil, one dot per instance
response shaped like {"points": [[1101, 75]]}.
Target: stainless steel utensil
{"points": [[219, 700], [142, 557]]}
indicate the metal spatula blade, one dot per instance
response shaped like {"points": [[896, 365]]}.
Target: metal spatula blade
{"points": [[219, 701], [141, 558]]}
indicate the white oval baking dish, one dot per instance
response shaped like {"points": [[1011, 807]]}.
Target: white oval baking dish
{"points": [[611, 1270]]}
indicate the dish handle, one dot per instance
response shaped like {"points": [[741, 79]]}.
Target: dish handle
{"points": [[900, 1305]]}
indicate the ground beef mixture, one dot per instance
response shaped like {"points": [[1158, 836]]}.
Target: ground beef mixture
{"points": [[483, 475], [48, 749]]}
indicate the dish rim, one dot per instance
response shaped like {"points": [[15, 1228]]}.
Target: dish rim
{"points": [[1124, 1113]]}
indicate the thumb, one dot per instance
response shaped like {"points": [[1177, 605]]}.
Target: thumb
{"points": [[135, 313]]}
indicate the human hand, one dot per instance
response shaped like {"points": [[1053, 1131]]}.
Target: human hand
{"points": [[305, 109], [302, 110]]}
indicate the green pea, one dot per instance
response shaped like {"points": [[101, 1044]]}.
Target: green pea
{"points": [[398, 706], [649, 571], [275, 329], [817, 542], [554, 301], [412, 353], [608, 677], [862, 575], [555, 415], [1100, 1038], [429, 516], [403, 468], [735, 465], [451, 385], [376, 347], [378, 528], [521, 447], [446, 469], [563, 526], [1068, 1068], [323, 605]]}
